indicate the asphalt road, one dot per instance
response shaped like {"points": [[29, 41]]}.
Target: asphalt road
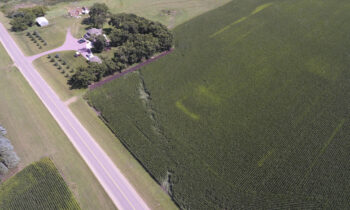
{"points": [[115, 184]]}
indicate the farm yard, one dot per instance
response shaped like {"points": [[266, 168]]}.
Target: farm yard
{"points": [[38, 186], [169, 12], [250, 110]]}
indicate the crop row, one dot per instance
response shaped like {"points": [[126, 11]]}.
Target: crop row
{"points": [[38, 186]]}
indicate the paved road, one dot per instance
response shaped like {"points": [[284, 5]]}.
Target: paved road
{"points": [[115, 184]]}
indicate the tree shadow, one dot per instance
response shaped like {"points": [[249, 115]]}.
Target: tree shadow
{"points": [[107, 31]]}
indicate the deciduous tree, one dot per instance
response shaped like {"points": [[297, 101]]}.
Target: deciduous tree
{"points": [[98, 14]]}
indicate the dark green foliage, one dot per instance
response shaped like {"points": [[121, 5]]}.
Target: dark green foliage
{"points": [[38, 186], [48, 56], [38, 11], [119, 37], [99, 44], [52, 60], [59, 67], [98, 14], [22, 21], [56, 64], [250, 111], [57, 56], [82, 77], [23, 18], [134, 28], [135, 39]]}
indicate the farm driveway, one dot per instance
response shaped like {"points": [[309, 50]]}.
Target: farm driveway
{"points": [[71, 43]]}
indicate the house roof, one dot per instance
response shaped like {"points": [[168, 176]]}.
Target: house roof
{"points": [[94, 31], [42, 21]]}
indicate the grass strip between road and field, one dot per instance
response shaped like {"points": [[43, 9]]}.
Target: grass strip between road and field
{"points": [[35, 134]]}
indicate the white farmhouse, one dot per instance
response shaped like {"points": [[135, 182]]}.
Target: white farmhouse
{"points": [[42, 21]]}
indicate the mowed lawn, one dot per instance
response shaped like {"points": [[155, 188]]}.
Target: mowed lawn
{"points": [[251, 110], [35, 134], [58, 78], [38, 186]]}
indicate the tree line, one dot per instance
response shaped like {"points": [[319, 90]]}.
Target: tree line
{"points": [[24, 18], [132, 38], [8, 157]]}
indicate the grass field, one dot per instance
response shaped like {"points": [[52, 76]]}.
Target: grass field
{"points": [[35, 134], [168, 12], [55, 77], [250, 111], [38, 186]]}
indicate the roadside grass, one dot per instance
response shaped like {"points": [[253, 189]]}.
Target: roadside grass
{"points": [[149, 190], [37, 186], [251, 110], [35, 134], [5, 58], [55, 77]]}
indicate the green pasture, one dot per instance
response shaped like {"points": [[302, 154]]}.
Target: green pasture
{"points": [[38, 186], [250, 111]]}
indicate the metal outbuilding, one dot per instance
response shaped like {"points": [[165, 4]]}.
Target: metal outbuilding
{"points": [[42, 21]]}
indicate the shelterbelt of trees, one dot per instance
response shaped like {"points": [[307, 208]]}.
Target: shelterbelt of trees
{"points": [[133, 38], [24, 18]]}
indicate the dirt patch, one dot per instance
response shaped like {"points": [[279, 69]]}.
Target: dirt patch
{"points": [[71, 100]]}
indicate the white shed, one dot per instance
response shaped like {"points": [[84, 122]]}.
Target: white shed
{"points": [[42, 21]]}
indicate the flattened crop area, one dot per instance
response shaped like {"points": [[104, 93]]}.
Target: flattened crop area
{"points": [[251, 110]]}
